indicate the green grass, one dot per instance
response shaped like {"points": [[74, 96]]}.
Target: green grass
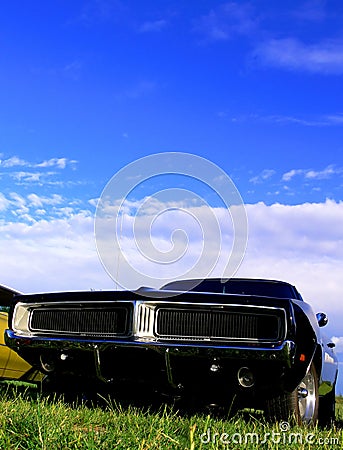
{"points": [[31, 421]]}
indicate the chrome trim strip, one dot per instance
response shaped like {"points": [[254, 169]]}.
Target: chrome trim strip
{"points": [[58, 343]]}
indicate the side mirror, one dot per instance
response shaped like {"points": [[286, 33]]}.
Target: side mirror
{"points": [[322, 319]]}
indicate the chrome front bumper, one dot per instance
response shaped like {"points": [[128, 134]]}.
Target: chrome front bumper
{"points": [[283, 353]]}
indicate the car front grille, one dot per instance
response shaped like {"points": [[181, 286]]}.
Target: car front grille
{"points": [[82, 320], [257, 325]]}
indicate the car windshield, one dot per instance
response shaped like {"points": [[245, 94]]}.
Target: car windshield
{"points": [[263, 288]]}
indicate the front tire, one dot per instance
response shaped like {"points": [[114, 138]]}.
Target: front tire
{"points": [[300, 405]]}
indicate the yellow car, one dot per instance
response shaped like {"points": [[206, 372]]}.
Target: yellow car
{"points": [[12, 366]]}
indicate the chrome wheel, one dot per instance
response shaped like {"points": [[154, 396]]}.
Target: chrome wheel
{"points": [[299, 406], [308, 397]]}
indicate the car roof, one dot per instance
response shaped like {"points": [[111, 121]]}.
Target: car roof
{"points": [[225, 280]]}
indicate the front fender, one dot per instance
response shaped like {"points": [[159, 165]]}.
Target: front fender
{"points": [[307, 339], [312, 345]]}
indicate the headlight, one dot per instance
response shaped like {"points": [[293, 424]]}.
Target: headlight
{"points": [[20, 321]]}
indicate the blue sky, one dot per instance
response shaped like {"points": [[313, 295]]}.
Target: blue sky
{"points": [[254, 86], [90, 86]]}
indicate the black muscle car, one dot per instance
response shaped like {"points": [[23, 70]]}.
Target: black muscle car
{"points": [[255, 341]]}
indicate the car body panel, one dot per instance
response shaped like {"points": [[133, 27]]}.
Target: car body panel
{"points": [[12, 366]]}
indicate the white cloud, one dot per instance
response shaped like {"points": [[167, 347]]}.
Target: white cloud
{"points": [[26, 208], [54, 162], [335, 119], [237, 19], [33, 173], [46, 255], [322, 174], [29, 177], [263, 176], [4, 203], [339, 343], [312, 229], [18, 204], [14, 161], [39, 201], [328, 172], [292, 54], [93, 202], [291, 174], [59, 163], [328, 120]]}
